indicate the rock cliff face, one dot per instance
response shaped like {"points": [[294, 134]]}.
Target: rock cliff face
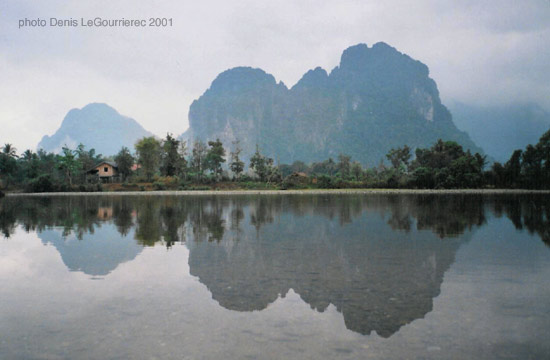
{"points": [[97, 126], [376, 99]]}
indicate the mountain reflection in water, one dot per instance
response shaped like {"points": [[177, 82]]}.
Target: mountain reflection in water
{"points": [[379, 259]]}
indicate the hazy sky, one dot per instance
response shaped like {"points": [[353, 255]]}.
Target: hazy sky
{"points": [[482, 52]]}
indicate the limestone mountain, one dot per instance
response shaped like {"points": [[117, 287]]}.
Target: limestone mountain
{"points": [[502, 129], [97, 126], [376, 99]]}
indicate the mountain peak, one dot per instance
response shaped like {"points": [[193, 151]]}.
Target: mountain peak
{"points": [[317, 77], [97, 106], [382, 46], [98, 126], [380, 57], [242, 79], [97, 112]]}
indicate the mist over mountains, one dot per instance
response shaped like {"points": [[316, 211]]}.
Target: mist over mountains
{"points": [[375, 100], [97, 126], [501, 129]]}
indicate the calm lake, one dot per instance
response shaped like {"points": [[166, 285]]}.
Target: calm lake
{"points": [[275, 277]]}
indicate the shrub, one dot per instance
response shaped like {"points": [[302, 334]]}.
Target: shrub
{"points": [[157, 185], [295, 181], [325, 182], [43, 183], [245, 178]]}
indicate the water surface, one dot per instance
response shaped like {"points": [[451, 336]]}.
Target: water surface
{"points": [[301, 276]]}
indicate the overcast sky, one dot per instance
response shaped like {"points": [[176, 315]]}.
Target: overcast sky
{"points": [[479, 52]]}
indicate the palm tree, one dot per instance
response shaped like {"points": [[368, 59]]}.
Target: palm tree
{"points": [[8, 165], [28, 155], [10, 150]]}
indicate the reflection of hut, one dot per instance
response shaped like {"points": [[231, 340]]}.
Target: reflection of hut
{"points": [[105, 213], [105, 170]]}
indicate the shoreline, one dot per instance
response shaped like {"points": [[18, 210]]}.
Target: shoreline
{"points": [[286, 192]]}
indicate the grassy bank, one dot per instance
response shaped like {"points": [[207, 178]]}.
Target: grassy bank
{"points": [[288, 192]]}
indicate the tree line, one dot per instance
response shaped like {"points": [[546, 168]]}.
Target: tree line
{"points": [[170, 163], [162, 218]]}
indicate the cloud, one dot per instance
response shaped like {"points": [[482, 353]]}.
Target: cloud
{"points": [[478, 52]]}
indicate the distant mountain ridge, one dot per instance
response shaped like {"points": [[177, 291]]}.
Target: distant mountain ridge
{"points": [[513, 126], [97, 126], [375, 100]]}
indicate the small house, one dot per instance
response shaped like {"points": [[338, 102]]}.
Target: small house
{"points": [[105, 170]]}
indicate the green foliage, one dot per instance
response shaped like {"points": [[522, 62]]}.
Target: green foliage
{"points": [[43, 183], [257, 185], [124, 161], [29, 165], [182, 168], [446, 165], [295, 181], [215, 158], [356, 171], [326, 182], [512, 168], [198, 160], [399, 157], [258, 163], [170, 156], [10, 151], [69, 164], [87, 159], [8, 168], [157, 185], [423, 177], [344, 166], [89, 187], [148, 153], [190, 187], [327, 167], [529, 168], [235, 164]]}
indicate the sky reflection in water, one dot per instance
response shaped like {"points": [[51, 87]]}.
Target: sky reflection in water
{"points": [[275, 276]]}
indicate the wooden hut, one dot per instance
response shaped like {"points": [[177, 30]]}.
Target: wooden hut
{"points": [[107, 171]]}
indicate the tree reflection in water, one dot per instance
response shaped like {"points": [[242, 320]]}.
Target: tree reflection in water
{"points": [[379, 259]]}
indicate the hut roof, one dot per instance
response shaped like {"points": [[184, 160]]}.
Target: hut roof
{"points": [[113, 164]]}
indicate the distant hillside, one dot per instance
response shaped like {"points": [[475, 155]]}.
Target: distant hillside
{"points": [[502, 129], [376, 99], [97, 126]]}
